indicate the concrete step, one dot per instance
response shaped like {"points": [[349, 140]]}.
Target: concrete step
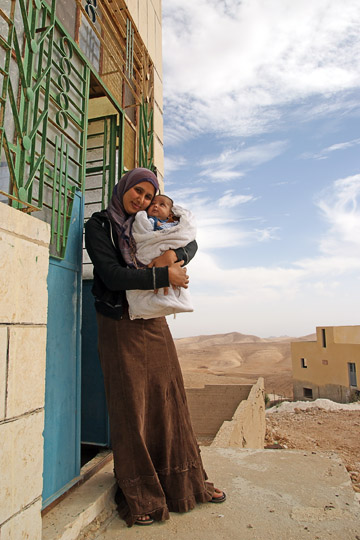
{"points": [[272, 494], [81, 507]]}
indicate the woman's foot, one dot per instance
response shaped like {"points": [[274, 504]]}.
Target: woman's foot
{"points": [[144, 520], [218, 496]]}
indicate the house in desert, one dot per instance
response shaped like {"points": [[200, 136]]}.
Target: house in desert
{"points": [[328, 367]]}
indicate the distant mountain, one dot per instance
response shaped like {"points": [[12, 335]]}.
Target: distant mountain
{"points": [[235, 337]]}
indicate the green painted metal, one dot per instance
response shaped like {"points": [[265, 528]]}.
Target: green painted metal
{"points": [[129, 49], [146, 136], [44, 85], [45, 89], [103, 161]]}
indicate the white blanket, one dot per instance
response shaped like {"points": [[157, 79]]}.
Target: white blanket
{"points": [[151, 244]]}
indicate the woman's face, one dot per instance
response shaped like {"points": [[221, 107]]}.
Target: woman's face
{"points": [[138, 197]]}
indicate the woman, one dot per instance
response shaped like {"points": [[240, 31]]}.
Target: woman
{"points": [[156, 458]]}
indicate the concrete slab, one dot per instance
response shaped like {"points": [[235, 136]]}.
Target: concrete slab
{"points": [[272, 494], [81, 506]]}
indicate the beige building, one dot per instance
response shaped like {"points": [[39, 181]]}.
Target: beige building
{"points": [[328, 367], [81, 103]]}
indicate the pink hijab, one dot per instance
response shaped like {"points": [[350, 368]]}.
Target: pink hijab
{"points": [[122, 221]]}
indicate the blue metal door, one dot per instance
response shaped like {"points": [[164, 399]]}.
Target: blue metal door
{"points": [[62, 389]]}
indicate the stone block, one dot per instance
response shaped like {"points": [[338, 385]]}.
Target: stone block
{"points": [[26, 369], [24, 225], [159, 155], [158, 91], [3, 363], [143, 24], [133, 8], [26, 524], [21, 464], [158, 47], [151, 44], [23, 273], [157, 6], [158, 124]]}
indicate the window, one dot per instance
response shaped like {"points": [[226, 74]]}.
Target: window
{"points": [[303, 362], [352, 374], [323, 334], [308, 393]]}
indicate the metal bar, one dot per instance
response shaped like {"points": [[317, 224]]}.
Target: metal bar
{"points": [[6, 73], [11, 165], [46, 73], [33, 172], [58, 229], [83, 135], [121, 133], [18, 127], [112, 157], [54, 189], [65, 197], [25, 17], [105, 141]]}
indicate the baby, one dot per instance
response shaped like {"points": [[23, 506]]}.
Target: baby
{"points": [[160, 213], [164, 226]]}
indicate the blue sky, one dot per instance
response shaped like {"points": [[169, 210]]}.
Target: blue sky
{"points": [[262, 143]]}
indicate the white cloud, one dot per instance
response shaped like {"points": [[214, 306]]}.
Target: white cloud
{"points": [[220, 223], [230, 66], [226, 165], [229, 200], [173, 163], [340, 206], [325, 152]]}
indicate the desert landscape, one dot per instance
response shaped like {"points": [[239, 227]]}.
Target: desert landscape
{"points": [[236, 358]]}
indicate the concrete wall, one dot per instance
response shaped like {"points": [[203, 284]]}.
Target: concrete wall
{"points": [[247, 427], [327, 371], [24, 258], [211, 405], [147, 17]]}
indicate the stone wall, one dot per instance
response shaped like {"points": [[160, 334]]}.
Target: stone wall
{"points": [[24, 259], [247, 427], [147, 18], [211, 405]]}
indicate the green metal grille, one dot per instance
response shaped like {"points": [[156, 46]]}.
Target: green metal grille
{"points": [[146, 136], [44, 94]]}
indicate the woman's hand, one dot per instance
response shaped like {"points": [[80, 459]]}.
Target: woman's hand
{"points": [[178, 276], [166, 259]]}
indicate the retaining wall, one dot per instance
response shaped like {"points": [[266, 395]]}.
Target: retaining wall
{"points": [[212, 404], [246, 429]]}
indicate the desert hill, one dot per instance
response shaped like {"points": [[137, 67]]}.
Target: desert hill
{"points": [[236, 358]]}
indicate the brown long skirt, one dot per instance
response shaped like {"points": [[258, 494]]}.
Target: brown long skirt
{"points": [[156, 457]]}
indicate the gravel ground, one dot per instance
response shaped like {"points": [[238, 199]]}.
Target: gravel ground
{"points": [[322, 425]]}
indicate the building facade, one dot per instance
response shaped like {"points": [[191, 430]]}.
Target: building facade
{"points": [[328, 367], [80, 103]]}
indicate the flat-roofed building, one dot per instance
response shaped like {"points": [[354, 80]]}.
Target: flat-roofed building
{"points": [[328, 367]]}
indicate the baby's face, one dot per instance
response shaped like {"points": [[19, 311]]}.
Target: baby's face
{"points": [[160, 207]]}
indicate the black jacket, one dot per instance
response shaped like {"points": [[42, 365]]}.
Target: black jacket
{"points": [[111, 276]]}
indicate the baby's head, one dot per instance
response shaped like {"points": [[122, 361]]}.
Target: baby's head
{"points": [[161, 207]]}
